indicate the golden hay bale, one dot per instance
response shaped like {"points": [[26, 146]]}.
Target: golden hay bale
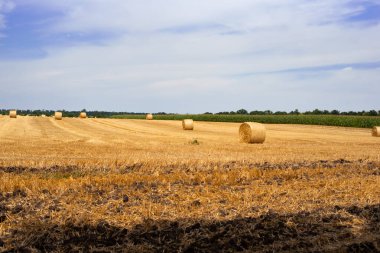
{"points": [[13, 114], [251, 132], [43, 115], [188, 124], [58, 115], [149, 116], [83, 115], [376, 131]]}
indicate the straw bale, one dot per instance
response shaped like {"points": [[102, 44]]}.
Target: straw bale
{"points": [[251, 132], [376, 131], [13, 114], [58, 115], [83, 115], [188, 124]]}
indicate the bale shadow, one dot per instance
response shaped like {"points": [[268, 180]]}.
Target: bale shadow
{"points": [[318, 231]]}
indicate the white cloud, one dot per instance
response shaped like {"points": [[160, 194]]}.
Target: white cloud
{"points": [[5, 6], [155, 62], [140, 16], [347, 69]]}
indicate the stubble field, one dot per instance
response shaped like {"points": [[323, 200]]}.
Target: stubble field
{"points": [[142, 186]]}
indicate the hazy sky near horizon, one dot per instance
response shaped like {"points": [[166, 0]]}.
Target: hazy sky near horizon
{"points": [[190, 56]]}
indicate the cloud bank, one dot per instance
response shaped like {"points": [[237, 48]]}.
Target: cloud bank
{"points": [[190, 56]]}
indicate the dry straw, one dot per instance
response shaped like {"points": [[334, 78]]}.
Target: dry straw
{"points": [[149, 116], [376, 131], [83, 115], [251, 132], [188, 124], [58, 115], [13, 114]]}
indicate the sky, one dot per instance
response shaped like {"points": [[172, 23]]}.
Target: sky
{"points": [[190, 56]]}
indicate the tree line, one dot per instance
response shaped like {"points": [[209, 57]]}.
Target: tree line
{"points": [[48, 113], [108, 114], [297, 112]]}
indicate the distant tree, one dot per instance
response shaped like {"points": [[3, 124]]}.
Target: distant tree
{"points": [[268, 112], [242, 111], [257, 113], [371, 113], [296, 112], [232, 112], [208, 113], [334, 112]]}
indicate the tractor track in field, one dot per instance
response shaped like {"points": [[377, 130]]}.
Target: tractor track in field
{"points": [[118, 127], [63, 127], [136, 130]]}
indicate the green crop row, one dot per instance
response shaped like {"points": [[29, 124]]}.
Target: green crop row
{"points": [[325, 120]]}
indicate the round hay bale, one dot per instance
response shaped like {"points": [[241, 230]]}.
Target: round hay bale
{"points": [[58, 115], [188, 124], [13, 114], [251, 132], [376, 131], [149, 116], [83, 115]]}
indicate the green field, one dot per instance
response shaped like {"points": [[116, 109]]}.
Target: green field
{"points": [[326, 120]]}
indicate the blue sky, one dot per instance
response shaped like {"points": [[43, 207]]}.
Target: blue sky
{"points": [[190, 56]]}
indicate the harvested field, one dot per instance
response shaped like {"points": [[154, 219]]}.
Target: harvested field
{"points": [[143, 186]]}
